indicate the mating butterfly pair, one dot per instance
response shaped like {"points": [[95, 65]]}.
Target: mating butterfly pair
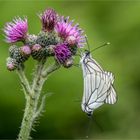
{"points": [[98, 85]]}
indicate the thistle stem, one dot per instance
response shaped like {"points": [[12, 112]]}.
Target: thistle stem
{"points": [[32, 107], [28, 119], [24, 81]]}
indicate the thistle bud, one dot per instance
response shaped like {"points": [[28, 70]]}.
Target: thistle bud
{"points": [[25, 50], [11, 64], [37, 52], [19, 54], [31, 40], [36, 48], [46, 39], [12, 50], [50, 50]]}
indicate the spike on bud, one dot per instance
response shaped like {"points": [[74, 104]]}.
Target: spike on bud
{"points": [[25, 50]]}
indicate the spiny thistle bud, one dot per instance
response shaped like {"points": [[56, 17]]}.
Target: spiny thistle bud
{"points": [[12, 50], [48, 19], [37, 52], [25, 50], [50, 50], [31, 40], [68, 63], [18, 54], [11, 64], [46, 39], [62, 53]]}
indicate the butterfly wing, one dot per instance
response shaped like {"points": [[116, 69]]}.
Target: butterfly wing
{"points": [[89, 65], [98, 87]]}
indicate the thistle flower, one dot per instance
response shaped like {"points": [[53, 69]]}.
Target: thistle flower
{"points": [[62, 53], [16, 30], [72, 34], [48, 19]]}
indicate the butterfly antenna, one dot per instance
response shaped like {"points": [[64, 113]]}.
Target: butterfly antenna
{"points": [[87, 42], [108, 43]]}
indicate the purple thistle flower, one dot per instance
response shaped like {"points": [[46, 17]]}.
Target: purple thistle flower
{"points": [[72, 34], [16, 30], [48, 19], [62, 53]]}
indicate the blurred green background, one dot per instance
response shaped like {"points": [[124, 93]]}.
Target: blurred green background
{"points": [[117, 22]]}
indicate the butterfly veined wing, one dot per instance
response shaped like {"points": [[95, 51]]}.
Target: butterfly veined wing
{"points": [[89, 65], [98, 87], [111, 97]]}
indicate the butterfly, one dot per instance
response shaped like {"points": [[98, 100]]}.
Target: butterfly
{"points": [[98, 85]]}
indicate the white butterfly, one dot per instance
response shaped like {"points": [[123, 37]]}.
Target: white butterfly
{"points": [[98, 85]]}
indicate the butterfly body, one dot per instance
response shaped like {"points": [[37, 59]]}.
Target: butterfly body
{"points": [[98, 85]]}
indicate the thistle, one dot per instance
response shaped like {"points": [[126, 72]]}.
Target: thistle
{"points": [[59, 39], [16, 30], [48, 19], [62, 53], [70, 33]]}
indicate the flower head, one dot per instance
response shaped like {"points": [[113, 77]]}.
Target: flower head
{"points": [[72, 34], [16, 30], [62, 53], [48, 19]]}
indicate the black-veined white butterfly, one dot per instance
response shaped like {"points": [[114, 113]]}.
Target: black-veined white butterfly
{"points": [[98, 85]]}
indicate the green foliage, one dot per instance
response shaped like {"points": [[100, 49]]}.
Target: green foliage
{"points": [[117, 22]]}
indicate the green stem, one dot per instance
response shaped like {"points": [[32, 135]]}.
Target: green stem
{"points": [[50, 69], [24, 82], [28, 119], [32, 108]]}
